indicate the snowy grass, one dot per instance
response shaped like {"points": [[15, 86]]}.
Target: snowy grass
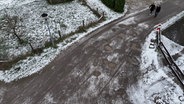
{"points": [[11, 3], [64, 17], [34, 64]]}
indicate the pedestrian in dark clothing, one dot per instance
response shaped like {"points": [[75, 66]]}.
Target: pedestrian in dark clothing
{"points": [[158, 8], [152, 8]]}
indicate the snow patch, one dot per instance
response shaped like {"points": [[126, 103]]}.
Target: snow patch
{"points": [[49, 99], [128, 21], [143, 25], [149, 56], [4, 2], [111, 57], [172, 47], [155, 86], [180, 62]]}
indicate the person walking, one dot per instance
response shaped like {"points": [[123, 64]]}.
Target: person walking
{"points": [[152, 8], [158, 8]]}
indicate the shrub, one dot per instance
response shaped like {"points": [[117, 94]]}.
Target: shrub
{"points": [[57, 1], [116, 5]]}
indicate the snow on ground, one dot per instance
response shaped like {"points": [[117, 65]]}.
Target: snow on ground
{"points": [[49, 99], [143, 25], [111, 57], [128, 21], [64, 17], [155, 86], [5, 2], [10, 3], [171, 46], [180, 62], [34, 64], [149, 56]]}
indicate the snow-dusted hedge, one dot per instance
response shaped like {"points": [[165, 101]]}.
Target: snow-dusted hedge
{"points": [[57, 1], [116, 5]]}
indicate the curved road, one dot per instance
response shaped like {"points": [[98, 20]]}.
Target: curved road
{"points": [[98, 69]]}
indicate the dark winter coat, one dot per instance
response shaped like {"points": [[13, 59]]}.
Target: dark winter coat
{"points": [[158, 8], [152, 7]]}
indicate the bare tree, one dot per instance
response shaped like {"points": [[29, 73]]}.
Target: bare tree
{"points": [[12, 25]]}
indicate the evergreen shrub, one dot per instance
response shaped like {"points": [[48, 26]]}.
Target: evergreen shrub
{"points": [[116, 5], [58, 1]]}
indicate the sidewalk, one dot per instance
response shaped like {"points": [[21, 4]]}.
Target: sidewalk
{"points": [[99, 69]]}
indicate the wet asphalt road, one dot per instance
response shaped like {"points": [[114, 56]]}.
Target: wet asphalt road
{"points": [[98, 69], [176, 32]]}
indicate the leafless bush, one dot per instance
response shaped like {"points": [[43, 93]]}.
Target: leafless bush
{"points": [[12, 25]]}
